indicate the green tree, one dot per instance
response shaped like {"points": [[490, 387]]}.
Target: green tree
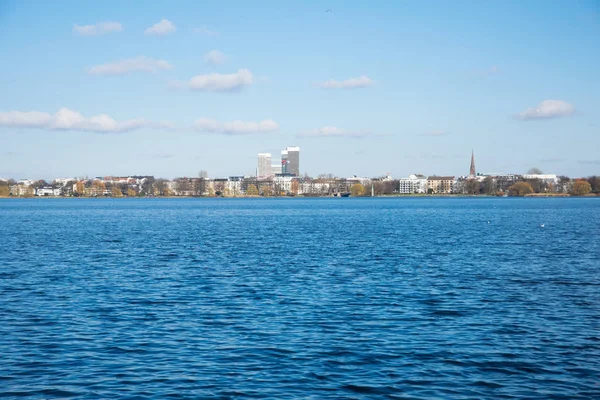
{"points": [[357, 190], [520, 189], [581, 187]]}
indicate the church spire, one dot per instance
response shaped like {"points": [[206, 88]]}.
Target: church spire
{"points": [[472, 170]]}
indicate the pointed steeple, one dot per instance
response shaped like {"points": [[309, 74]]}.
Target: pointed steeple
{"points": [[472, 170]]}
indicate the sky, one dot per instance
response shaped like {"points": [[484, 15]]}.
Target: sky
{"points": [[364, 88]]}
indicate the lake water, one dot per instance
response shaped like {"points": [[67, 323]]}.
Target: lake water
{"points": [[414, 298]]}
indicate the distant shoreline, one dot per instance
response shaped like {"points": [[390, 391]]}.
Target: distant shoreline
{"points": [[532, 195]]}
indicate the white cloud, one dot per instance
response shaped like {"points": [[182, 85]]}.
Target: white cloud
{"points": [[222, 82], [204, 30], [435, 133], [352, 83], [332, 131], [548, 109], [161, 28], [137, 64], [67, 119], [97, 29], [215, 57], [235, 127]]}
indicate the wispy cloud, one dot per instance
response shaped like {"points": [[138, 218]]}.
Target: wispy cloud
{"points": [[552, 160], [235, 127], [547, 109], [352, 83], [67, 119], [137, 64], [434, 133], [205, 31], [222, 82], [215, 57], [493, 70], [98, 29], [161, 28], [591, 162], [160, 156], [332, 131]]}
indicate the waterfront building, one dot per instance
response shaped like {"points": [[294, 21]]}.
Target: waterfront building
{"points": [[413, 184], [440, 184], [548, 178], [290, 161], [263, 170]]}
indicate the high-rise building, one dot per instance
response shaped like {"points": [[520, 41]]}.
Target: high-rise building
{"points": [[263, 169], [276, 169], [472, 171], [290, 161]]}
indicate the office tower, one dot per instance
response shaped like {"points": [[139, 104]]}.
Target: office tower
{"points": [[263, 169], [290, 161]]}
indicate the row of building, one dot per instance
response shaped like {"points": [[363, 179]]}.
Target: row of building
{"points": [[284, 179], [283, 185]]}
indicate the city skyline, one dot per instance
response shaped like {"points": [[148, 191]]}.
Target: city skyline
{"points": [[399, 88]]}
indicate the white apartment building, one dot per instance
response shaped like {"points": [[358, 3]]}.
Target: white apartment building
{"points": [[412, 184], [550, 178]]}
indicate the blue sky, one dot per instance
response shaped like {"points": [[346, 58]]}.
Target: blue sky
{"points": [[369, 88]]}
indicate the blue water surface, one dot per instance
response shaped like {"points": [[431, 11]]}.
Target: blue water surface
{"points": [[406, 298]]}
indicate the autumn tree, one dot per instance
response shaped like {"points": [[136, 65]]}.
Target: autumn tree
{"points": [[116, 192], [131, 192], [581, 187], [98, 187], [295, 187], [4, 189], [29, 191], [357, 190], [252, 190], [79, 188], [267, 190], [520, 189]]}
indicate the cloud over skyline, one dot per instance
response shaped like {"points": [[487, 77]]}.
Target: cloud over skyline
{"points": [[548, 109], [222, 82], [215, 57], [98, 29], [204, 30], [352, 83], [67, 119], [161, 28], [137, 64], [438, 132], [332, 131], [235, 127]]}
